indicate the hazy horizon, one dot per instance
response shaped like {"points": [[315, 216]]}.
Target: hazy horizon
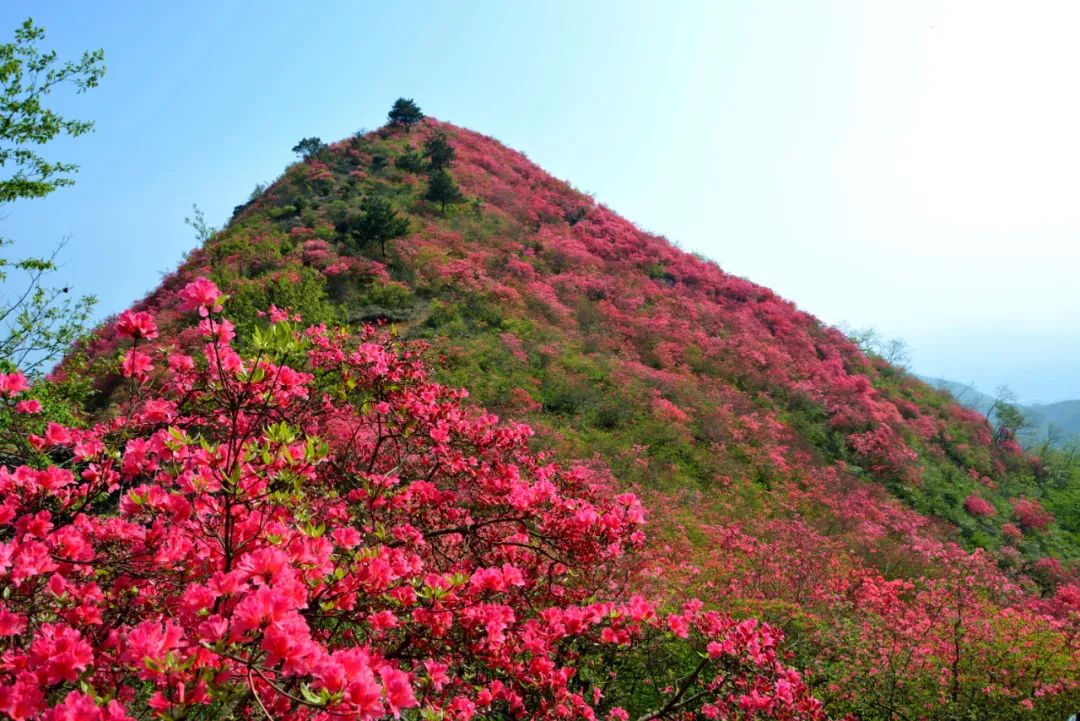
{"points": [[911, 167]]}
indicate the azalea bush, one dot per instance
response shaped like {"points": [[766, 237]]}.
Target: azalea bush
{"points": [[959, 641], [313, 529]]}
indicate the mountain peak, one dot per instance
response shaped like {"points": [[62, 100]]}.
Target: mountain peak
{"points": [[552, 307]]}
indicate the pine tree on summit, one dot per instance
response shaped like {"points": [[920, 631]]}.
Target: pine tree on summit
{"points": [[442, 190], [405, 112], [309, 147]]}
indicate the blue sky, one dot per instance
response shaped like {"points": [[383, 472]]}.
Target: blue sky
{"points": [[903, 165]]}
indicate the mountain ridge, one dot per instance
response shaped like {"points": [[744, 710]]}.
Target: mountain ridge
{"points": [[1057, 422]]}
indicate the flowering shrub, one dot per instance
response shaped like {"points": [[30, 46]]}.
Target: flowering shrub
{"points": [[1031, 514], [1011, 531], [978, 506], [941, 644], [962, 643], [312, 529]]}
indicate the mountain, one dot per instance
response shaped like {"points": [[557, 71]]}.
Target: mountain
{"points": [[1064, 416], [918, 565], [1056, 422]]}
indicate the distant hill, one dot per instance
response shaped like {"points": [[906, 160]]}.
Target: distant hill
{"points": [[1058, 422], [1064, 416]]}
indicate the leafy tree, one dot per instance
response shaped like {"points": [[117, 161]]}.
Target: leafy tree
{"points": [[309, 147], [259, 189], [1005, 416], [378, 222], [405, 113], [379, 163], [438, 151], [894, 351], [27, 75], [442, 189], [203, 230], [37, 322]]}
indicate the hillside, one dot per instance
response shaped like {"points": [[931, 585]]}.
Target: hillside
{"points": [[788, 476], [965, 395]]}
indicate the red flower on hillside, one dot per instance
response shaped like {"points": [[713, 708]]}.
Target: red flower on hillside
{"points": [[136, 325], [979, 506]]}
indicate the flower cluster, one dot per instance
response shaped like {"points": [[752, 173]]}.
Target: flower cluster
{"points": [[312, 529], [979, 506]]}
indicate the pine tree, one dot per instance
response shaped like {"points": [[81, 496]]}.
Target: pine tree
{"points": [[405, 112], [410, 161], [438, 151], [442, 190], [378, 222]]}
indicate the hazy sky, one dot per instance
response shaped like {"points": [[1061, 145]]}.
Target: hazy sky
{"points": [[910, 166]]}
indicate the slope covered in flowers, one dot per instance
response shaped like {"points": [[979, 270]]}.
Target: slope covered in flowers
{"points": [[314, 530], [919, 563]]}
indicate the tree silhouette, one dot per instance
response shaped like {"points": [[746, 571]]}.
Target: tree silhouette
{"points": [[442, 190], [405, 112], [438, 151], [309, 147]]}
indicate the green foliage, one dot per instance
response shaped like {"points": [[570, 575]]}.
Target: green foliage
{"points": [[443, 190], [575, 216], [1010, 420], [27, 76], [63, 400], [657, 271], [410, 162], [302, 291], [438, 151], [378, 302], [38, 323], [203, 230], [247, 254], [471, 316], [405, 113], [282, 211], [378, 163], [645, 677], [377, 222], [258, 190], [309, 148]]}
